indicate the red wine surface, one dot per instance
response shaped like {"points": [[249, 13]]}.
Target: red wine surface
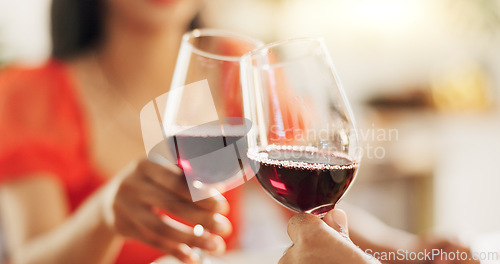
{"points": [[303, 179]]}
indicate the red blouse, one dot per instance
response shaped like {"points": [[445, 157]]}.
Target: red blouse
{"points": [[43, 129]]}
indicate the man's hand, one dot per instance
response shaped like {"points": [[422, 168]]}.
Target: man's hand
{"points": [[322, 242]]}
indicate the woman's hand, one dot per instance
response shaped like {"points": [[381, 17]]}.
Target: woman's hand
{"points": [[322, 242], [132, 200]]}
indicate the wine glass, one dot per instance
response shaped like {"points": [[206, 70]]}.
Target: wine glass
{"points": [[203, 120], [303, 143]]}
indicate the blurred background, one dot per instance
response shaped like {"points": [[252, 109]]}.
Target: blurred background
{"points": [[423, 77]]}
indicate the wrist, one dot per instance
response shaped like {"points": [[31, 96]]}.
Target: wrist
{"points": [[105, 209]]}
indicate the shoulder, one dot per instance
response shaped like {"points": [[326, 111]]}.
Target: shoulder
{"points": [[30, 95], [45, 78], [40, 124]]}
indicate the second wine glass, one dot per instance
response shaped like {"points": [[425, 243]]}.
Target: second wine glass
{"points": [[303, 144], [203, 120]]}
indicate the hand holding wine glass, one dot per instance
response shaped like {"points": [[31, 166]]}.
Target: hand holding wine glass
{"points": [[203, 120], [153, 188], [323, 242]]}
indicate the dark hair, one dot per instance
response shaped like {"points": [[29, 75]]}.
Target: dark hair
{"points": [[76, 26]]}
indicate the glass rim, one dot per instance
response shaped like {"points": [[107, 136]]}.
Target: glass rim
{"points": [[209, 32], [271, 45]]}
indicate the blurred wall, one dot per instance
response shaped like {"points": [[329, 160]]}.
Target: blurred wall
{"points": [[376, 45], [24, 30]]}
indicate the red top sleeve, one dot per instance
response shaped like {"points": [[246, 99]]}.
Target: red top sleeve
{"points": [[41, 129]]}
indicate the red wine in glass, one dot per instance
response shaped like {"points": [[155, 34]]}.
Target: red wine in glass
{"points": [[210, 153], [304, 179], [215, 167]]}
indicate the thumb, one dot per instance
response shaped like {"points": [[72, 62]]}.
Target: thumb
{"points": [[337, 219], [302, 224]]}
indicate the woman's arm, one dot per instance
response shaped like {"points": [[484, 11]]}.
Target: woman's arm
{"points": [[368, 232], [39, 229]]}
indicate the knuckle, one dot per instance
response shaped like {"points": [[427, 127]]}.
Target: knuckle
{"points": [[209, 203], [142, 165], [174, 170], [148, 198], [156, 242], [179, 254], [306, 238], [180, 184], [176, 207], [158, 227], [195, 241], [120, 228], [205, 219], [163, 230]]}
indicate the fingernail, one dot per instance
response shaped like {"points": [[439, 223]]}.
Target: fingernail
{"points": [[221, 246], [189, 255], [338, 220], [222, 225], [222, 204], [193, 258]]}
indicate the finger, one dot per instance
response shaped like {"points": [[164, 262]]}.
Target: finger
{"points": [[337, 219], [215, 202], [172, 179], [188, 211], [178, 233], [169, 177], [300, 224], [179, 250], [134, 230], [183, 250]]}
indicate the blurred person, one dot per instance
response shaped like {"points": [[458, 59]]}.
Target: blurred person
{"points": [[75, 186], [377, 238], [329, 242]]}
